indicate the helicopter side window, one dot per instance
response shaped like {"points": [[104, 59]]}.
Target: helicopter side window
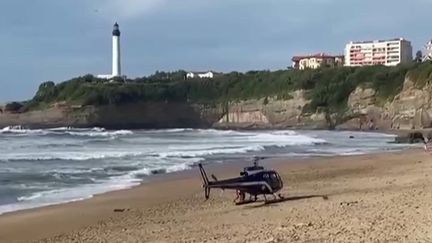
{"points": [[274, 178]]}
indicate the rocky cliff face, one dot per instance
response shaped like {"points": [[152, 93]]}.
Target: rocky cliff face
{"points": [[154, 115], [271, 112], [140, 115], [411, 108], [362, 104], [263, 112], [53, 117]]}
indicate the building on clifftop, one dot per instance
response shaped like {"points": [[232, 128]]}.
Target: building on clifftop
{"points": [[317, 61], [378, 52], [208, 74], [428, 51]]}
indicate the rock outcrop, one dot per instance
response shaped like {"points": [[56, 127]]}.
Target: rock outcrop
{"points": [[362, 100], [139, 115], [271, 112], [412, 107]]}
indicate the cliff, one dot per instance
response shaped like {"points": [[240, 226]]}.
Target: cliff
{"points": [[346, 98], [411, 108], [150, 115], [271, 112], [262, 113]]}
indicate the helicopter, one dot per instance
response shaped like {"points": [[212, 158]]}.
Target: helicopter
{"points": [[254, 180]]}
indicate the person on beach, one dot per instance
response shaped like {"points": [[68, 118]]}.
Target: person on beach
{"points": [[427, 145]]}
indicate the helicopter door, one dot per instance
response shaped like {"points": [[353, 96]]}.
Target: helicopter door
{"points": [[266, 177]]}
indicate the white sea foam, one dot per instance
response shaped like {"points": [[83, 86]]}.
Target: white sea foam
{"points": [[173, 130], [290, 133], [288, 140], [222, 132], [179, 167], [83, 132], [209, 151], [101, 133], [20, 130], [59, 196], [60, 129], [68, 156]]}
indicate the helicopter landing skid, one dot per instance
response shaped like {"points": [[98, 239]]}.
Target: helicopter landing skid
{"points": [[241, 198], [276, 198]]}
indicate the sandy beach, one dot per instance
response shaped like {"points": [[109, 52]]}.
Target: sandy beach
{"points": [[368, 198]]}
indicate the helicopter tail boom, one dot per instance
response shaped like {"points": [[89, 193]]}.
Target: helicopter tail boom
{"points": [[205, 181]]}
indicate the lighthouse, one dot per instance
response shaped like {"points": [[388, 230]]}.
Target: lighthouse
{"points": [[116, 67], [116, 63]]}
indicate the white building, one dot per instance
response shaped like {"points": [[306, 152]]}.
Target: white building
{"points": [[428, 51], [378, 52], [116, 64], [208, 74]]}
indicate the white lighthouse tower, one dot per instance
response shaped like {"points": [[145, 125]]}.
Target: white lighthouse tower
{"points": [[116, 63], [116, 68]]}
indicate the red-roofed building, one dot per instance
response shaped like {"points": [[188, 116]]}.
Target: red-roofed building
{"points": [[316, 61]]}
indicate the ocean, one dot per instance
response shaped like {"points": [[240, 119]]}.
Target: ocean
{"points": [[52, 166]]}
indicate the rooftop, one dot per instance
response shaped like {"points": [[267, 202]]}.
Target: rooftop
{"points": [[318, 55], [202, 72], [377, 41]]}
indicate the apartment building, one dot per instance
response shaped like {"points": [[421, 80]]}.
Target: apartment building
{"points": [[378, 52]]}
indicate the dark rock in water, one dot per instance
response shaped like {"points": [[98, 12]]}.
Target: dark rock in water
{"points": [[412, 137], [351, 137], [158, 171]]}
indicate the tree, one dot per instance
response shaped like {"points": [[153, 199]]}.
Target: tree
{"points": [[419, 56], [46, 91], [13, 107]]}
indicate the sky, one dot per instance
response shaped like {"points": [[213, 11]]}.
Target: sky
{"points": [[52, 40]]}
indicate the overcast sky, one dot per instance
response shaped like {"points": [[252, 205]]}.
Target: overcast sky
{"points": [[57, 40]]}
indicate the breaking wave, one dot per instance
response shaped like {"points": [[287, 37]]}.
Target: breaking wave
{"points": [[69, 156], [20, 130], [81, 132]]}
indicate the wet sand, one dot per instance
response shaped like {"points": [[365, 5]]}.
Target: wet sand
{"points": [[368, 198]]}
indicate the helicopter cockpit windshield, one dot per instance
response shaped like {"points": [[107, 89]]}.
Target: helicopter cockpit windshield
{"points": [[273, 179]]}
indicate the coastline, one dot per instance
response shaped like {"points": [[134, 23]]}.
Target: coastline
{"points": [[95, 217]]}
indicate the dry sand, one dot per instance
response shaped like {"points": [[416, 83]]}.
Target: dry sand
{"points": [[368, 198]]}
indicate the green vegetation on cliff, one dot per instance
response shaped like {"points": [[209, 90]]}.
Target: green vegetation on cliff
{"points": [[327, 88], [421, 74]]}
